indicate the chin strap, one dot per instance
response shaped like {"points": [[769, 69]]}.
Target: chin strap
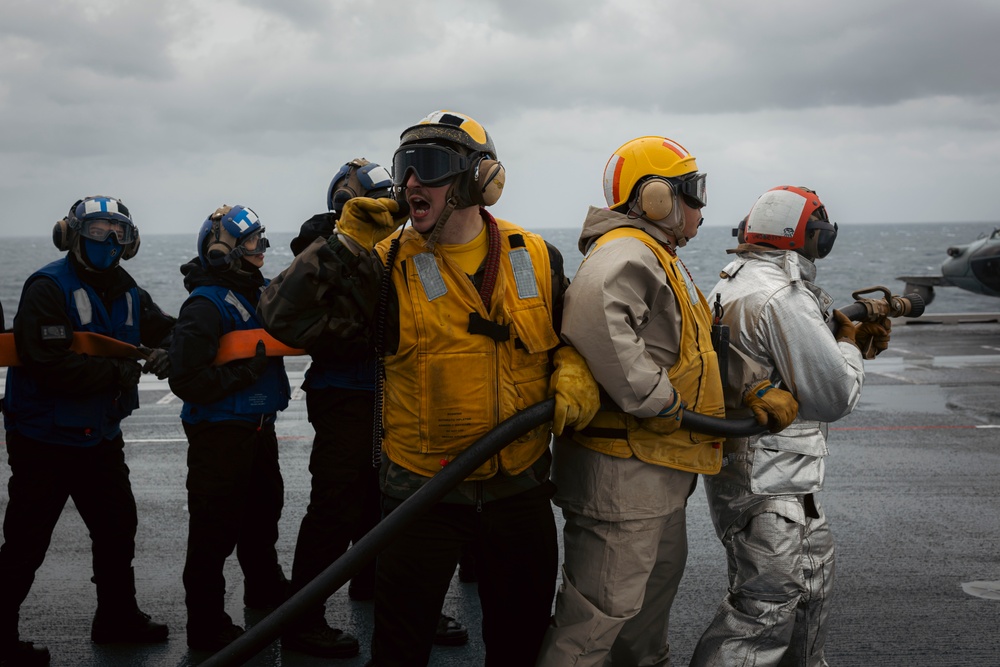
{"points": [[450, 206]]}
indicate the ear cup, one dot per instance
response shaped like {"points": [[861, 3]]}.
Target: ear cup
{"points": [[488, 183], [62, 235], [217, 251], [656, 199]]}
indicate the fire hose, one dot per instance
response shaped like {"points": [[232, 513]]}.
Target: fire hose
{"points": [[369, 546], [487, 446]]}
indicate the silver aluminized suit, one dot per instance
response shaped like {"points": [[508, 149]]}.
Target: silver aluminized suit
{"points": [[763, 504]]}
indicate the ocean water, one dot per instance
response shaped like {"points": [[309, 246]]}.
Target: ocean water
{"points": [[864, 256]]}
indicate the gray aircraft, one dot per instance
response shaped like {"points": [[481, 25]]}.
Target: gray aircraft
{"points": [[974, 267]]}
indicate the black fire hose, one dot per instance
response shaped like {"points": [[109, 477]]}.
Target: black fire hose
{"points": [[436, 488]]}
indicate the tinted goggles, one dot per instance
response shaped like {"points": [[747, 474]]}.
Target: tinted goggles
{"points": [[825, 238], [99, 229], [693, 190], [432, 165]]}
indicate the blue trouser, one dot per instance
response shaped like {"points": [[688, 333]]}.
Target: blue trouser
{"points": [[43, 477]]}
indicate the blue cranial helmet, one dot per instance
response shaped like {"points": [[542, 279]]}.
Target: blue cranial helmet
{"points": [[357, 178], [227, 235], [99, 231]]}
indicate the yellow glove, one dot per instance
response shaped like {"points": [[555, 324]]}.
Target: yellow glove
{"points": [[772, 407], [368, 221], [577, 396], [847, 331], [669, 418], [873, 337]]}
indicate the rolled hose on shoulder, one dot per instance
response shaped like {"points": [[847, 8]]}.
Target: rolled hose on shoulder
{"points": [[436, 488]]}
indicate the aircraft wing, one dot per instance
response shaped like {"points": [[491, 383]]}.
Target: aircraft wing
{"points": [[926, 281]]}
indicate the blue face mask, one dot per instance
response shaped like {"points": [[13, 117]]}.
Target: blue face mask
{"points": [[102, 255]]}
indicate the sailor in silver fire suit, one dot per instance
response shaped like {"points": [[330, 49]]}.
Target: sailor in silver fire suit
{"points": [[763, 502]]}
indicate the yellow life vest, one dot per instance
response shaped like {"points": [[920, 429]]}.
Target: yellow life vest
{"points": [[695, 376], [445, 387]]}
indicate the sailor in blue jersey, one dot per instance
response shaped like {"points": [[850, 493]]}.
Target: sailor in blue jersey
{"points": [[63, 412], [235, 489], [340, 398]]}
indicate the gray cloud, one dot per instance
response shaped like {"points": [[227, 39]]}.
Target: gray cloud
{"points": [[262, 99]]}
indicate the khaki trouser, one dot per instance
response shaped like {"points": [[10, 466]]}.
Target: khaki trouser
{"points": [[619, 581]]}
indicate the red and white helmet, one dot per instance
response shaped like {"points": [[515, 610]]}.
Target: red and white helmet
{"points": [[784, 217]]}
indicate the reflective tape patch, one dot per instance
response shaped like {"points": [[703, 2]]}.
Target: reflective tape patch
{"points": [[129, 320], [234, 301], [524, 273], [430, 275], [83, 306]]}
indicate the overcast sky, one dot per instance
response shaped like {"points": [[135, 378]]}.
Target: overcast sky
{"points": [[890, 109]]}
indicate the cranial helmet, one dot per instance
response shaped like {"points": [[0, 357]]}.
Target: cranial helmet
{"points": [[99, 231], [646, 176], [357, 178], [449, 147], [785, 218], [224, 236]]}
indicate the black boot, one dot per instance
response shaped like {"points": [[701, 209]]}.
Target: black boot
{"points": [[118, 618], [267, 595], [23, 654]]}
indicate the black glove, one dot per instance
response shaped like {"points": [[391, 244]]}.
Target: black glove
{"points": [[158, 363], [255, 367], [128, 371]]}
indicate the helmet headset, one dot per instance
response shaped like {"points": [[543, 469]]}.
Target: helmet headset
{"points": [[357, 178], [791, 218], [226, 236], [646, 178], [450, 147], [99, 231]]}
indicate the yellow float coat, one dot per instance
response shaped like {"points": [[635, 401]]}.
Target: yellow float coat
{"points": [[446, 387], [695, 377]]}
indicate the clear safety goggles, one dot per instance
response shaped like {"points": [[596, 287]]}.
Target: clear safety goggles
{"points": [[432, 165], [693, 189], [99, 229], [252, 244]]}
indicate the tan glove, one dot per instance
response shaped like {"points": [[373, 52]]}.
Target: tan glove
{"points": [[577, 396], [368, 221], [873, 337], [669, 418], [847, 331], [772, 407]]}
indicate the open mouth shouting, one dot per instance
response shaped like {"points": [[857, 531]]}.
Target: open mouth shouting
{"points": [[420, 207]]}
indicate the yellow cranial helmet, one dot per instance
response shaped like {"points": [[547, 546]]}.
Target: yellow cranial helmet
{"points": [[450, 148], [450, 126], [639, 159]]}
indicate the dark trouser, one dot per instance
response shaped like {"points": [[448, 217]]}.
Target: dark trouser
{"points": [[235, 496], [515, 542], [344, 501], [43, 477]]}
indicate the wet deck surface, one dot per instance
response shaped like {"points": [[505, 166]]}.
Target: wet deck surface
{"points": [[912, 492]]}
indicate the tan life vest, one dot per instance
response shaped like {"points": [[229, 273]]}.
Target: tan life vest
{"points": [[695, 376], [445, 387]]}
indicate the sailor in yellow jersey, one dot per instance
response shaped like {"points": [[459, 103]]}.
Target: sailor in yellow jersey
{"points": [[470, 319], [634, 313]]}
